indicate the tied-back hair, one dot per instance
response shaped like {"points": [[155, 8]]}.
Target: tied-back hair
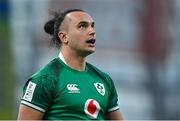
{"points": [[52, 26]]}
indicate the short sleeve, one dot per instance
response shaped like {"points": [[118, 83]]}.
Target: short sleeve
{"points": [[38, 93], [113, 98]]}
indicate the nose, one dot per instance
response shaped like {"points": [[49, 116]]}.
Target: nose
{"points": [[92, 31]]}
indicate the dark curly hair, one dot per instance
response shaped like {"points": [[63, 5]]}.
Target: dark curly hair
{"points": [[52, 26]]}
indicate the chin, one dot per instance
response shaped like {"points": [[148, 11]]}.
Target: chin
{"points": [[87, 52], [91, 50]]}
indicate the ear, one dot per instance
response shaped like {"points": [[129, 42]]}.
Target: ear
{"points": [[63, 37]]}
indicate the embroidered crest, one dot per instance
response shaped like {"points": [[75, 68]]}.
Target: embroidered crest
{"points": [[100, 88]]}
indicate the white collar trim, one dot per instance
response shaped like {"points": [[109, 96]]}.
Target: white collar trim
{"points": [[62, 58]]}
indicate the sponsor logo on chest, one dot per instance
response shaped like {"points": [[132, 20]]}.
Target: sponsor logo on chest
{"points": [[92, 108]]}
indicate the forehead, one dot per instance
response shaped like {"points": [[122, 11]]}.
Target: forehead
{"points": [[76, 17]]}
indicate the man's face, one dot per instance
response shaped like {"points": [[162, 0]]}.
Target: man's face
{"points": [[81, 34]]}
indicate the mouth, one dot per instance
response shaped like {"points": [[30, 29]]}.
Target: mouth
{"points": [[91, 41]]}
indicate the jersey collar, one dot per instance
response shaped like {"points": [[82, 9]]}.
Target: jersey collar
{"points": [[62, 58]]}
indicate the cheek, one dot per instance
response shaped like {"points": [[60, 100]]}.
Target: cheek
{"points": [[78, 37]]}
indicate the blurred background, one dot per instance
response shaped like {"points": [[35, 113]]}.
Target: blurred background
{"points": [[137, 44]]}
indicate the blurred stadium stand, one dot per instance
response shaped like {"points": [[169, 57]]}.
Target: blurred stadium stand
{"points": [[131, 36], [6, 71]]}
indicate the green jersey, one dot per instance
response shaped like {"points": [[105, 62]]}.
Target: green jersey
{"points": [[63, 93]]}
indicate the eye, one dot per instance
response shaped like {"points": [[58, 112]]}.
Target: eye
{"points": [[83, 26], [92, 25]]}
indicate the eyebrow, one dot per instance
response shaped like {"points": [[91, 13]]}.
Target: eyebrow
{"points": [[85, 22]]}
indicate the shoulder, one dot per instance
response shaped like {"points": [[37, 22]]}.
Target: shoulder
{"points": [[53, 68], [94, 68], [100, 73], [46, 76], [48, 73]]}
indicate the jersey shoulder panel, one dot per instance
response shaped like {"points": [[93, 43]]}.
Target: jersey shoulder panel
{"points": [[100, 73], [44, 82], [53, 68]]}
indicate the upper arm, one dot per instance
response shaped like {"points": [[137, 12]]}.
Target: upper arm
{"points": [[114, 115], [27, 113], [36, 98], [113, 112]]}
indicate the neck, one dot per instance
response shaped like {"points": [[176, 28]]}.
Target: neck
{"points": [[74, 60]]}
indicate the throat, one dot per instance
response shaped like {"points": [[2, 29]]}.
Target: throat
{"points": [[74, 62], [77, 66]]}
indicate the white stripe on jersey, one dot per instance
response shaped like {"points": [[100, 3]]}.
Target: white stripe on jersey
{"points": [[113, 109], [33, 106]]}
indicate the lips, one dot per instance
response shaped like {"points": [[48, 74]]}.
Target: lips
{"points": [[91, 41]]}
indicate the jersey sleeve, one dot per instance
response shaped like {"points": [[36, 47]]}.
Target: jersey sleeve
{"points": [[113, 98], [38, 93]]}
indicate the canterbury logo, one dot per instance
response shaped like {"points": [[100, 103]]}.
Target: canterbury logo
{"points": [[73, 88]]}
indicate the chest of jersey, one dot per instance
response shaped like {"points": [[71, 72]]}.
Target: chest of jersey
{"points": [[81, 94]]}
